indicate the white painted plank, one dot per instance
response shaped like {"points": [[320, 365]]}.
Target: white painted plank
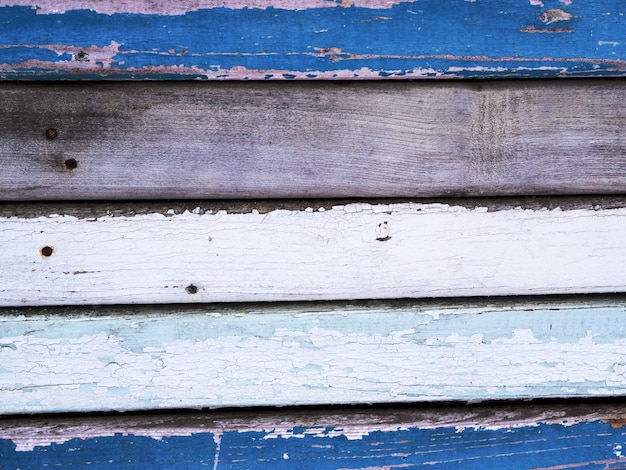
{"points": [[96, 359], [346, 252]]}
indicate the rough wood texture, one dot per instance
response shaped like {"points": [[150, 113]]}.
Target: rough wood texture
{"points": [[310, 39], [312, 140], [351, 251], [120, 358], [550, 437]]}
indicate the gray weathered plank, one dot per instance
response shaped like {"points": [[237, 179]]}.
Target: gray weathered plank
{"points": [[268, 140]]}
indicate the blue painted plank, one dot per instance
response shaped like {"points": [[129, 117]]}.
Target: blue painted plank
{"points": [[312, 40], [589, 444]]}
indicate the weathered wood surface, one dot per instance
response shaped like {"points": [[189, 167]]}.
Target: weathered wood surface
{"points": [[122, 358], [310, 39], [550, 437], [322, 252], [312, 140]]}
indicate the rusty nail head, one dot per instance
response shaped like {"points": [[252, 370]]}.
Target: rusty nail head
{"points": [[51, 133], [47, 251]]}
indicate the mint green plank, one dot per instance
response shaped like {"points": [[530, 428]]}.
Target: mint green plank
{"points": [[122, 358]]}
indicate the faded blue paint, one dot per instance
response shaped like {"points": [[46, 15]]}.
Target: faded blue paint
{"points": [[281, 43], [559, 324], [592, 445]]}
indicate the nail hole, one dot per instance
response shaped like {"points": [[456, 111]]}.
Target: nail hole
{"points": [[47, 251], [191, 289], [51, 133], [383, 232], [81, 56], [71, 163]]}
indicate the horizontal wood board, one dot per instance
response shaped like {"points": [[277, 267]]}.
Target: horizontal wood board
{"points": [[345, 251], [214, 356], [555, 437], [174, 140], [310, 39]]}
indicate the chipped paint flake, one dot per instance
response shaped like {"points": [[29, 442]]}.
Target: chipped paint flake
{"points": [[554, 16]]}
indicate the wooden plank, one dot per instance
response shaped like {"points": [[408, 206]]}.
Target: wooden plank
{"points": [[123, 358], [352, 438], [312, 140], [346, 251], [555, 437], [310, 39]]}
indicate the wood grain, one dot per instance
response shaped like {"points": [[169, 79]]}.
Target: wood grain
{"points": [[348, 251], [310, 39], [561, 435], [123, 358], [174, 140]]}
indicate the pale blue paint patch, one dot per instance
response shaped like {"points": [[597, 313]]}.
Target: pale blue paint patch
{"points": [[607, 325], [106, 359], [86, 389], [309, 368]]}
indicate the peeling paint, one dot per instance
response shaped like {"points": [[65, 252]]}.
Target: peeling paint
{"points": [[554, 16], [72, 57], [522, 66], [182, 7], [532, 29], [237, 446], [298, 354]]}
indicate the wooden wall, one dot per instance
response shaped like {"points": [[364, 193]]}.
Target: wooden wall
{"points": [[452, 248]]}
